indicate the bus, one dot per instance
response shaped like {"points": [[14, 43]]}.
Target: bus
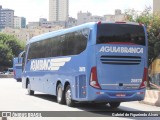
{"points": [[96, 62], [17, 67]]}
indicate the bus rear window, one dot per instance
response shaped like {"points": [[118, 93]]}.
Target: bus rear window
{"points": [[120, 33]]}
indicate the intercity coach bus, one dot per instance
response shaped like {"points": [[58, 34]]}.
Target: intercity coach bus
{"points": [[95, 62], [17, 67]]}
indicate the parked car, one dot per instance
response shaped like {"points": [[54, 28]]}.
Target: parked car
{"points": [[10, 70]]}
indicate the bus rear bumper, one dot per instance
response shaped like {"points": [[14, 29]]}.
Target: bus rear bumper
{"points": [[116, 96]]}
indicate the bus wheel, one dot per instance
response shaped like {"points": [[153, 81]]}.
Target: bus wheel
{"points": [[60, 94], [30, 92], [114, 104], [68, 97]]}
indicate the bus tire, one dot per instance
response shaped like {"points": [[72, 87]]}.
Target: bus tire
{"points": [[68, 97], [30, 92], [19, 80], [60, 94], [114, 104]]}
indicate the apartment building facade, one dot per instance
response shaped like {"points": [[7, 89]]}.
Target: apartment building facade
{"points": [[58, 10], [6, 18], [19, 22], [25, 34]]}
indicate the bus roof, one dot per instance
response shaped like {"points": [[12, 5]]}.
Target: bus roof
{"points": [[72, 29], [60, 32]]}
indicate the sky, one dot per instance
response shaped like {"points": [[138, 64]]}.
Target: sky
{"points": [[32, 10]]}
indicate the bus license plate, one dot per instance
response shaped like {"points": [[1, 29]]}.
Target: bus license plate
{"points": [[120, 95]]}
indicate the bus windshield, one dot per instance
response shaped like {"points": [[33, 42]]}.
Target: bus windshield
{"points": [[120, 33]]}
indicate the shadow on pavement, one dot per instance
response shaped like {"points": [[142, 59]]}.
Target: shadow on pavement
{"points": [[97, 110]]}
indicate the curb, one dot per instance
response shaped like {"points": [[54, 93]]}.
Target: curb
{"points": [[6, 76], [152, 97]]}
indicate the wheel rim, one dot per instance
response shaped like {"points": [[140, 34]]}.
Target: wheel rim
{"points": [[68, 96], [59, 94]]}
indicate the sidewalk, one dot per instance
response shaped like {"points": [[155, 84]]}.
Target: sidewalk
{"points": [[152, 97]]}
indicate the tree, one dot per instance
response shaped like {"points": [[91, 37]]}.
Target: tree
{"points": [[9, 48], [152, 23], [5, 55]]}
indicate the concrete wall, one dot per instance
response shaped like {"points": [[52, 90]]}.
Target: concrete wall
{"points": [[6, 76], [152, 97]]}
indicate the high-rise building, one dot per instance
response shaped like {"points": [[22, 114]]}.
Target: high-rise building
{"points": [[19, 22], [58, 10], [6, 18], [156, 6]]}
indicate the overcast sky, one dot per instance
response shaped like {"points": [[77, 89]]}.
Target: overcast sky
{"points": [[32, 10]]}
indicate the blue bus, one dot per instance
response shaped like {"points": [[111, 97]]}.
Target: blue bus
{"points": [[97, 62], [17, 67]]}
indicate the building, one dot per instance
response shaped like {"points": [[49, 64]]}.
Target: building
{"points": [[96, 18], [25, 34], [19, 22], [118, 16], [156, 6], [42, 20], [46, 24], [71, 22], [58, 10], [31, 25], [83, 17], [50, 24], [6, 18]]}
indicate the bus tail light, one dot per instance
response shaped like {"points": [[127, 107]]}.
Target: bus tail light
{"points": [[93, 78], [144, 81], [99, 22]]}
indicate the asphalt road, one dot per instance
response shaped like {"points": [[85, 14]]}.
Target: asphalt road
{"points": [[14, 98]]}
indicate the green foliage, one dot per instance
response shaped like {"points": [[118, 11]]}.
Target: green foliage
{"points": [[5, 55], [152, 23], [9, 48]]}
